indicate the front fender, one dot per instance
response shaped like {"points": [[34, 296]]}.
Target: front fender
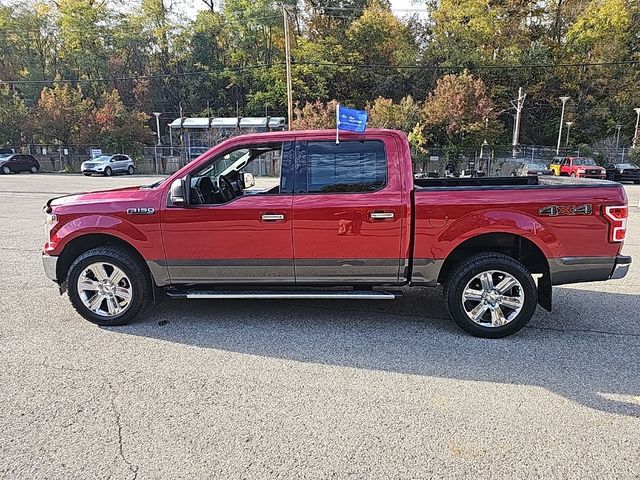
{"points": [[92, 224]]}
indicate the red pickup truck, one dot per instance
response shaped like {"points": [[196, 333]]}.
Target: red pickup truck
{"points": [[295, 215]]}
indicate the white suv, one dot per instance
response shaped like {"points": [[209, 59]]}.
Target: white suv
{"points": [[107, 165]]}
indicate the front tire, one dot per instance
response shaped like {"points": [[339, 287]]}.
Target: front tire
{"points": [[108, 172], [130, 170], [109, 286], [491, 295], [33, 169], [6, 170]]}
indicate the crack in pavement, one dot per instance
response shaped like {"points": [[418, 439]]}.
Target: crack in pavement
{"points": [[116, 413]]}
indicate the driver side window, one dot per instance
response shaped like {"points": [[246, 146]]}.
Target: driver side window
{"points": [[250, 170]]}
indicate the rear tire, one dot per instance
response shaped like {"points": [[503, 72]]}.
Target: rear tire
{"points": [[108, 172], [464, 282], [134, 282]]}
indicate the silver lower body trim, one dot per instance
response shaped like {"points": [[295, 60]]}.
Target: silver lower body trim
{"points": [[50, 264]]}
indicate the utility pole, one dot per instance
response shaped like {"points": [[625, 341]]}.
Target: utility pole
{"points": [[618, 127], [564, 101], [516, 125], [287, 53], [635, 136]]}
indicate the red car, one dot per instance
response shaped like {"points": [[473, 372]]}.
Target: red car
{"points": [[581, 167], [295, 215]]}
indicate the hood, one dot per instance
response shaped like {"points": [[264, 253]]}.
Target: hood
{"points": [[103, 196]]}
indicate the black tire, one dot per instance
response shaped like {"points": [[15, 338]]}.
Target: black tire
{"points": [[87, 174], [130, 170], [637, 182], [611, 177], [108, 172], [6, 170], [474, 265], [131, 265], [33, 169]]}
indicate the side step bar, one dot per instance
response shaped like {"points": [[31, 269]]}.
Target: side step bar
{"points": [[285, 294]]}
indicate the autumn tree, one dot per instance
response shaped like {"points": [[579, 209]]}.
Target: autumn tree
{"points": [[63, 116], [119, 128], [315, 115], [459, 112]]}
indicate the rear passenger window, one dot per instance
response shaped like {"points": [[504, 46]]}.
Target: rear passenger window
{"points": [[350, 166]]}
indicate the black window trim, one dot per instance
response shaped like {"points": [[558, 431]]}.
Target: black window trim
{"points": [[302, 167]]}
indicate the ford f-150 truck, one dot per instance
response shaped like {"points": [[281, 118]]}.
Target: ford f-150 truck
{"points": [[296, 215]]}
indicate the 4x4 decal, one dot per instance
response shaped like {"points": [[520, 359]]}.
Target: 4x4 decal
{"points": [[564, 210]]}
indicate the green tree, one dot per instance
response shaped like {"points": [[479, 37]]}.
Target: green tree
{"points": [[13, 117]]}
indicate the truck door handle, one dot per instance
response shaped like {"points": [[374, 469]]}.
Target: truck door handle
{"points": [[381, 215], [272, 217]]}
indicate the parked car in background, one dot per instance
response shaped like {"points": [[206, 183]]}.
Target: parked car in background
{"points": [[583, 167], [108, 165], [6, 151], [554, 166], [18, 162], [623, 172], [530, 167]]}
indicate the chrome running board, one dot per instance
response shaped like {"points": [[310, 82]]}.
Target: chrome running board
{"points": [[286, 294]]}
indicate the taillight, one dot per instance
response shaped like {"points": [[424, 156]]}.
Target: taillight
{"points": [[617, 218]]}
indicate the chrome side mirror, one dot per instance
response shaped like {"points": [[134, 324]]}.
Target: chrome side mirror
{"points": [[177, 196], [248, 180]]}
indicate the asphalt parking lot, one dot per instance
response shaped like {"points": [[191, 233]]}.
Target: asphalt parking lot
{"points": [[272, 389]]}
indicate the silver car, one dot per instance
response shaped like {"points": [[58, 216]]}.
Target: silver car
{"points": [[108, 165]]}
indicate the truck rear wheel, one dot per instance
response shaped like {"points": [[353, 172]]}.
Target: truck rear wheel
{"points": [[109, 286], [491, 295]]}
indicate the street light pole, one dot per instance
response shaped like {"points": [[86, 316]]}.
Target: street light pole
{"points": [[618, 126], [564, 101], [635, 136], [157, 114], [568, 124]]}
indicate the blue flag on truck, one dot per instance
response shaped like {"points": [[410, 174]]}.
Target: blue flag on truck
{"points": [[350, 120]]}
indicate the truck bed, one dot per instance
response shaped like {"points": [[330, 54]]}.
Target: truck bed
{"points": [[505, 182]]}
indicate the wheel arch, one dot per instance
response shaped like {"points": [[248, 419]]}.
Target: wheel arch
{"points": [[83, 243], [513, 245]]}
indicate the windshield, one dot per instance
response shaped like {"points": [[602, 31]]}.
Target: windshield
{"points": [[626, 165], [584, 161], [101, 158], [536, 166], [233, 161]]}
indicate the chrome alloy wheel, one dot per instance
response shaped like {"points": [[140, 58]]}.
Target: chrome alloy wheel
{"points": [[105, 289], [493, 298]]}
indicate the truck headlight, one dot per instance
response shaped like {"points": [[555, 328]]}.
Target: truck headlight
{"points": [[581, 170]]}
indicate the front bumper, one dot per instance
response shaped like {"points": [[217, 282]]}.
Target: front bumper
{"points": [[587, 269], [50, 264]]}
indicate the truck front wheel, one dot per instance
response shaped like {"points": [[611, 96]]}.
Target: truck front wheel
{"points": [[109, 286], [491, 295]]}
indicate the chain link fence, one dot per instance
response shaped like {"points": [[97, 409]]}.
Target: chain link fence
{"points": [[487, 160]]}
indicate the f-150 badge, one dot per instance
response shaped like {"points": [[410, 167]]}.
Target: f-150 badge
{"points": [[141, 211]]}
